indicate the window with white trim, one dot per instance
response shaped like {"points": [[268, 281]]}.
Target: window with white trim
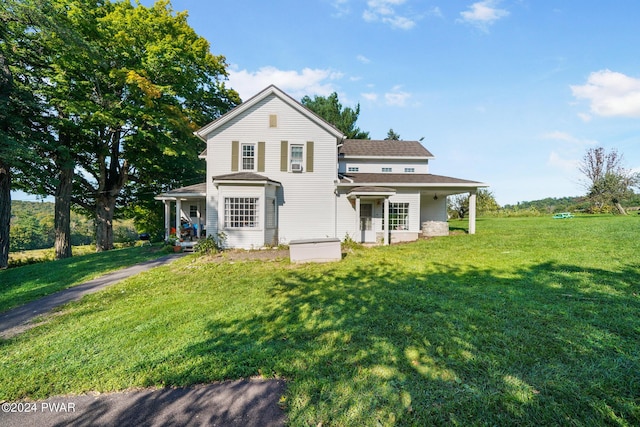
{"points": [[353, 169], [387, 170], [398, 216], [409, 170], [296, 152], [241, 212], [248, 157]]}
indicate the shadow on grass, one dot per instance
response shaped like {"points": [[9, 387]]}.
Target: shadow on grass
{"points": [[371, 343]]}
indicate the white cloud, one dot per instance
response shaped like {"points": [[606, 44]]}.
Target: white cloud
{"points": [[341, 7], [384, 11], [363, 59], [435, 11], [295, 83], [567, 137], [483, 13], [371, 96], [610, 94], [397, 98], [557, 161]]}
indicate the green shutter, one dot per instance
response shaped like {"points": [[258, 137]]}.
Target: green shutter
{"points": [[284, 156], [235, 150], [309, 165], [261, 156]]}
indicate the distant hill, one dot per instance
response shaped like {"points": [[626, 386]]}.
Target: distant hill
{"points": [[565, 204]]}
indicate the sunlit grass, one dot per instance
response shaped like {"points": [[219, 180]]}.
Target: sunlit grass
{"points": [[20, 285], [529, 322]]}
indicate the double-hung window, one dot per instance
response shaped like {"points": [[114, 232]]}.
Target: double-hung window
{"points": [[296, 156], [241, 212], [248, 157], [398, 216]]}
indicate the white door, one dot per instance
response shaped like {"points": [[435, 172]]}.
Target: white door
{"points": [[367, 233]]}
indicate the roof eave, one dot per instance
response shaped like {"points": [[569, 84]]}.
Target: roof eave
{"points": [[353, 156], [416, 185], [217, 182]]}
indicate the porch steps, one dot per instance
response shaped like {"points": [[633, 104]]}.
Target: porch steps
{"points": [[188, 247]]}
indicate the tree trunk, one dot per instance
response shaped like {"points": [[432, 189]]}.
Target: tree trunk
{"points": [[620, 208], [6, 86], [105, 207], [5, 213], [62, 219]]}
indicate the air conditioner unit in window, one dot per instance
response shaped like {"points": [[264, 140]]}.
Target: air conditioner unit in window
{"points": [[296, 167]]}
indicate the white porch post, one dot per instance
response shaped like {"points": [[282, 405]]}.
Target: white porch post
{"points": [[178, 216], [167, 219], [472, 212], [385, 229], [358, 233]]}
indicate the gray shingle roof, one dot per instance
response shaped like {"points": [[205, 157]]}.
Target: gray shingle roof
{"points": [[195, 190], [373, 148], [242, 176], [403, 178]]}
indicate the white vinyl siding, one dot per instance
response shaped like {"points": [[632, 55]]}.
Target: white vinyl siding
{"points": [[376, 165], [271, 213], [300, 195]]}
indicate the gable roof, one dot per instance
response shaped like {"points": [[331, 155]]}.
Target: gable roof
{"points": [[269, 91], [376, 148]]}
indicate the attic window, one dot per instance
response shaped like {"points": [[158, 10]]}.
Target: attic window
{"points": [[273, 121]]}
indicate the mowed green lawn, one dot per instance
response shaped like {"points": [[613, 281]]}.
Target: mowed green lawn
{"points": [[532, 321], [27, 283]]}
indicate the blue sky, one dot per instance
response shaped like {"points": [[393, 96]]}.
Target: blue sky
{"points": [[508, 92]]}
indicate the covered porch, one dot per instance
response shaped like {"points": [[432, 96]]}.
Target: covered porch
{"points": [[185, 212], [390, 208]]}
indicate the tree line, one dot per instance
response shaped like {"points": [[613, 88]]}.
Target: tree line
{"points": [[98, 102]]}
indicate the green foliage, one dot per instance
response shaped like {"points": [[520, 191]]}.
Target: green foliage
{"points": [[348, 244], [608, 182], [330, 109], [458, 205], [392, 136], [207, 246], [123, 87], [32, 227]]}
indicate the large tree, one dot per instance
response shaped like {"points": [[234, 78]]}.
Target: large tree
{"points": [[607, 181], [20, 108], [126, 103], [330, 109]]}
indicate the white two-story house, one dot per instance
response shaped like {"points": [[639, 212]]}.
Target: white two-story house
{"points": [[277, 172]]}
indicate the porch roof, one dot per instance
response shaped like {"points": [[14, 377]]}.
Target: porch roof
{"points": [[371, 191], [244, 177], [190, 191], [405, 180]]}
